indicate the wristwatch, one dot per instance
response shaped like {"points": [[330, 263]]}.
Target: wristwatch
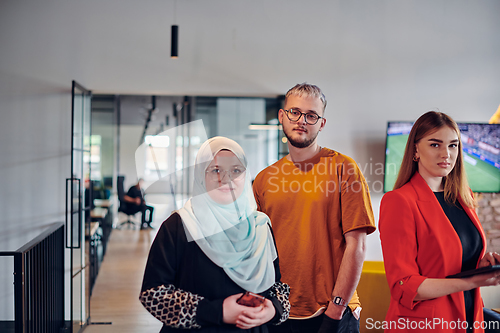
{"points": [[339, 301]]}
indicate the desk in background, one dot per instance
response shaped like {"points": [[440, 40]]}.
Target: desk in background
{"points": [[97, 232], [102, 213], [94, 239], [105, 203]]}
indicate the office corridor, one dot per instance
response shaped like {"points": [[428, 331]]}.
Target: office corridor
{"points": [[115, 305]]}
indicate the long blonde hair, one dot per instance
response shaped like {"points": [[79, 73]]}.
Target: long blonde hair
{"points": [[455, 183]]}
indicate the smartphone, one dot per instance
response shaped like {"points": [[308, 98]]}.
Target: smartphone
{"points": [[251, 299]]}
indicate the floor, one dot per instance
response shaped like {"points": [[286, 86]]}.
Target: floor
{"points": [[114, 305]]}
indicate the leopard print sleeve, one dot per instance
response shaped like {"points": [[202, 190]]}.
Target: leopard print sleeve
{"points": [[281, 291], [172, 306]]}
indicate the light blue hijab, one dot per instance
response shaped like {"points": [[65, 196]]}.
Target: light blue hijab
{"points": [[236, 236]]}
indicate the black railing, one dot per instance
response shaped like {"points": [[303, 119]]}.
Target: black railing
{"points": [[39, 282]]}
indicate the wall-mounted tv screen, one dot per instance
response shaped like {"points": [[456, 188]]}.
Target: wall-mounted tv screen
{"points": [[481, 147]]}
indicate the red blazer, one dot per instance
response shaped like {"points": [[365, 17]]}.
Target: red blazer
{"points": [[419, 242]]}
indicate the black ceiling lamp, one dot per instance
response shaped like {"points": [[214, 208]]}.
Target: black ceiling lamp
{"points": [[174, 46], [174, 40]]}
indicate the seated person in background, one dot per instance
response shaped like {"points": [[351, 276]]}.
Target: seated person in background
{"points": [[135, 203]]}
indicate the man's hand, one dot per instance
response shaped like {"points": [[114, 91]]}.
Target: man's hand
{"points": [[329, 325], [349, 272], [334, 311]]}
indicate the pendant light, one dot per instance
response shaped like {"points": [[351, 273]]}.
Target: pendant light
{"points": [[174, 40]]}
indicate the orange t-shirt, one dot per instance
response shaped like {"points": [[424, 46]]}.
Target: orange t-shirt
{"points": [[311, 205]]}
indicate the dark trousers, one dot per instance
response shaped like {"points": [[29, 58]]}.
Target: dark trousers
{"points": [[348, 324], [147, 215]]}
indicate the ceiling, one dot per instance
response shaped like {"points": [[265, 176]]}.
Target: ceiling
{"points": [[241, 47]]}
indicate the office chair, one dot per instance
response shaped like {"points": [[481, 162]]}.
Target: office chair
{"points": [[123, 205]]}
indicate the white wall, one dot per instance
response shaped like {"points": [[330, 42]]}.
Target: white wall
{"points": [[233, 117], [35, 144]]}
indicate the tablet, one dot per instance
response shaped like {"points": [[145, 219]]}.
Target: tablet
{"points": [[482, 270]]}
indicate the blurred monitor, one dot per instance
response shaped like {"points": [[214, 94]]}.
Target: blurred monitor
{"points": [[107, 182], [481, 148], [96, 184]]}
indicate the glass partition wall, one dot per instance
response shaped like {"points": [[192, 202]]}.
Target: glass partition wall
{"points": [[155, 138], [77, 209], [172, 140], [252, 122], [104, 141]]}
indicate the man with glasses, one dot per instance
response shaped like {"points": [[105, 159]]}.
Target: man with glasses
{"points": [[320, 210]]}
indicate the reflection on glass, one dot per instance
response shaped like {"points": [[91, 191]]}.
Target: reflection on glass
{"points": [[81, 145]]}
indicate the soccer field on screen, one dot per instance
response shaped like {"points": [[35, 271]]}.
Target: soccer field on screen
{"points": [[395, 149], [482, 176]]}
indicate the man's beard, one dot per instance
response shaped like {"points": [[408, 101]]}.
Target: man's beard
{"points": [[300, 144]]}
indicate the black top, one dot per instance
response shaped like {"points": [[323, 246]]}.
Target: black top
{"points": [[134, 192], [132, 208], [174, 260], [466, 230], [471, 244]]}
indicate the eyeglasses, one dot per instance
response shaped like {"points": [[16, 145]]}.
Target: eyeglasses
{"points": [[294, 115], [216, 174]]}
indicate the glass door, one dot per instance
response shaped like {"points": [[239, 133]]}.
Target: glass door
{"points": [[78, 209]]}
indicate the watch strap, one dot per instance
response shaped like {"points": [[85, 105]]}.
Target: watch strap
{"points": [[339, 301]]}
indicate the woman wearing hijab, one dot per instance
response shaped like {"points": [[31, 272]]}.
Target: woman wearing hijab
{"points": [[429, 230], [214, 249]]}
